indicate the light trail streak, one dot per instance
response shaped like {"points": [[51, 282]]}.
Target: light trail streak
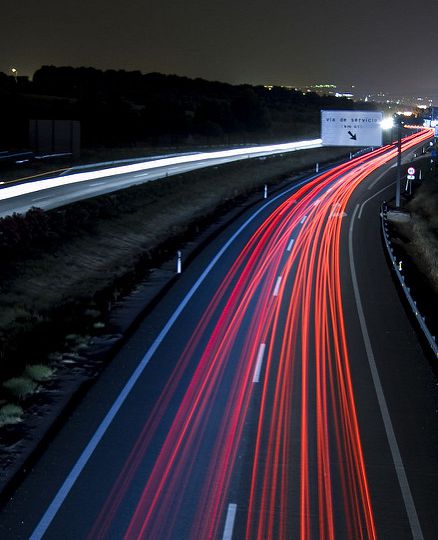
{"points": [[308, 457], [156, 164]]}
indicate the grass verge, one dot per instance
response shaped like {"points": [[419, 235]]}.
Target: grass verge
{"points": [[56, 263]]}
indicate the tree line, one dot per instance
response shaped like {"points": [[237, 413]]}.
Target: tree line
{"points": [[128, 108]]}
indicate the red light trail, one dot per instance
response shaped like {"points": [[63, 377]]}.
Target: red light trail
{"points": [[308, 475]]}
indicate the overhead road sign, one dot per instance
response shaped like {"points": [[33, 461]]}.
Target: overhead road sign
{"points": [[351, 128]]}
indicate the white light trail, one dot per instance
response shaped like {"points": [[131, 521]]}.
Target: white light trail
{"points": [[48, 183]]}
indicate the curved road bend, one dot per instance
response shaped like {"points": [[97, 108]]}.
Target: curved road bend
{"points": [[278, 391]]}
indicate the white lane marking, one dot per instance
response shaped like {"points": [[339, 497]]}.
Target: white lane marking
{"points": [[405, 159], [411, 511], [97, 184], [40, 198], [291, 243], [142, 175], [259, 363], [277, 286], [229, 522], [303, 220], [374, 182], [83, 459], [372, 197]]}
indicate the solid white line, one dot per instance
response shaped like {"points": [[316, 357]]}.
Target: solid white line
{"points": [[374, 182], [277, 286], [372, 197], [411, 511], [258, 368], [303, 220], [291, 243], [142, 175], [83, 459], [229, 522]]}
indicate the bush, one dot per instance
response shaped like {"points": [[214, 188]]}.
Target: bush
{"points": [[10, 414], [20, 387], [38, 372]]}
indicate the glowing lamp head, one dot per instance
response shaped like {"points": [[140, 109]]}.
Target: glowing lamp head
{"points": [[387, 123]]}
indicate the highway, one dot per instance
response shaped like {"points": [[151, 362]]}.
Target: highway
{"points": [[49, 193], [277, 391]]}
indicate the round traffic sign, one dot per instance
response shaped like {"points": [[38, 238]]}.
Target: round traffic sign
{"points": [[411, 171]]}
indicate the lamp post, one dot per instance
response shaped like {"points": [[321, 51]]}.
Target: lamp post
{"points": [[388, 123], [398, 180], [15, 74]]}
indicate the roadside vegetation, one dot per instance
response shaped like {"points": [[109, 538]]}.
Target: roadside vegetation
{"points": [[57, 264], [414, 234], [419, 234]]}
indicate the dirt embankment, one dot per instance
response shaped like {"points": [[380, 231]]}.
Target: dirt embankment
{"points": [[418, 235], [414, 234], [63, 259]]}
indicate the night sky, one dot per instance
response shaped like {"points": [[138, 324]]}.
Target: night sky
{"points": [[374, 45]]}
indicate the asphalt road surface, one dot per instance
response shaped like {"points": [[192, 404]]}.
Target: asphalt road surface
{"points": [[277, 391]]}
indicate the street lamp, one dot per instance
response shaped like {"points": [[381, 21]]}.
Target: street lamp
{"points": [[399, 146], [389, 123], [15, 74]]}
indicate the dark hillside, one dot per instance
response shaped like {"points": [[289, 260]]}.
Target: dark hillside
{"points": [[120, 108]]}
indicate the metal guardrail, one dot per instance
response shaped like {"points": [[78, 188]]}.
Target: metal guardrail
{"points": [[6, 156], [395, 266]]}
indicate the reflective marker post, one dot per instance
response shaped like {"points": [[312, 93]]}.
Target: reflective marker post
{"points": [[178, 263]]}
